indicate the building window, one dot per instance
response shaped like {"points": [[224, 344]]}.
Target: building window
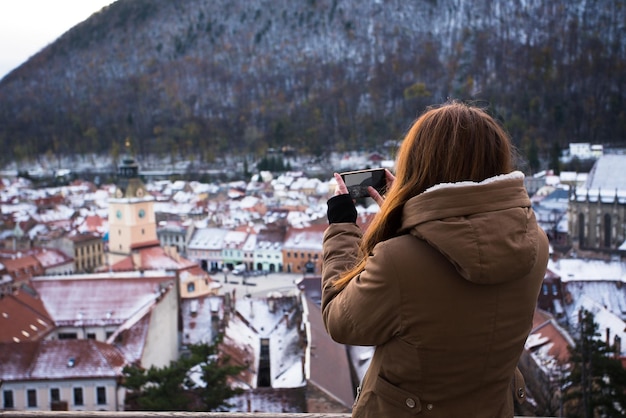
{"points": [[67, 336], [91, 335], [555, 289], [607, 230], [8, 399], [581, 230], [101, 395], [31, 398], [55, 395], [263, 376], [191, 287], [545, 289], [78, 396]]}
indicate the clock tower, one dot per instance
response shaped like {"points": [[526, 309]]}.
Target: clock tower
{"points": [[132, 223]]}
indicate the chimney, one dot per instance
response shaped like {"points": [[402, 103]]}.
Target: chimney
{"points": [[136, 258]]}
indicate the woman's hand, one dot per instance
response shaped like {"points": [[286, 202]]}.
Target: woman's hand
{"points": [[341, 207], [389, 178], [341, 186]]}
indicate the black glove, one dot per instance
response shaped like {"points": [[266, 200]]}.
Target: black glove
{"points": [[341, 209]]}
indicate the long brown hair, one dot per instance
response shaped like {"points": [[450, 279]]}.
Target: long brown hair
{"points": [[449, 143]]}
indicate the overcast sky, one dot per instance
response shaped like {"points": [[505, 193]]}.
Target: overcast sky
{"points": [[27, 26]]}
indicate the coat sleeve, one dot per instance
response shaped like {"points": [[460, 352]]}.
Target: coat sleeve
{"points": [[366, 311]]}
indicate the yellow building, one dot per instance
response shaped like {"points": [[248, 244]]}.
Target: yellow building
{"points": [[88, 251], [132, 224]]}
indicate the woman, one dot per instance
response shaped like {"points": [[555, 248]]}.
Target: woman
{"points": [[445, 280]]}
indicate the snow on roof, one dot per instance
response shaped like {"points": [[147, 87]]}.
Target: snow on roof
{"points": [[60, 359], [603, 174], [159, 258], [600, 195], [61, 212], [574, 177], [605, 293], [20, 209], [275, 319], [131, 339], [305, 238], [249, 202], [184, 208], [78, 299], [23, 317], [575, 269], [608, 323], [207, 239], [235, 239], [286, 353], [250, 243], [50, 257]]}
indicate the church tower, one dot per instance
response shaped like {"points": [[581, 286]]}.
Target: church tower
{"points": [[132, 224]]}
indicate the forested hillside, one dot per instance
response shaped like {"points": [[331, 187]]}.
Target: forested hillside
{"points": [[200, 78]]}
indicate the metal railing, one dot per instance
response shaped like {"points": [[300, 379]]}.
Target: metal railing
{"points": [[147, 414]]}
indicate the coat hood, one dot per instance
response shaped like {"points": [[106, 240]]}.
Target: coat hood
{"points": [[487, 230]]}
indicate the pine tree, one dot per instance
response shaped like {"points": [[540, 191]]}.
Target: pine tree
{"points": [[596, 385], [196, 382], [215, 372]]}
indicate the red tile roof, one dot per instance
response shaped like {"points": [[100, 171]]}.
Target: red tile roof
{"points": [[50, 257], [153, 258], [99, 299], [59, 359], [21, 266], [132, 340], [23, 317], [94, 223], [545, 326], [85, 236]]}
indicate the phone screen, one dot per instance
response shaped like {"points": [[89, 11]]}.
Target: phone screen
{"points": [[358, 181]]}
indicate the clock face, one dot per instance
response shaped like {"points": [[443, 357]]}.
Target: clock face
{"points": [[140, 193], [142, 213], [118, 214], [119, 193]]}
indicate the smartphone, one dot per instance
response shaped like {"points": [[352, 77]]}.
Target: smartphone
{"points": [[357, 181]]}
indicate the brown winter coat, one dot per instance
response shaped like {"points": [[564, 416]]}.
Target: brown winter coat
{"points": [[448, 303]]}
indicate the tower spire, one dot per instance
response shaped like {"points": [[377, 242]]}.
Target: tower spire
{"points": [[129, 183]]}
